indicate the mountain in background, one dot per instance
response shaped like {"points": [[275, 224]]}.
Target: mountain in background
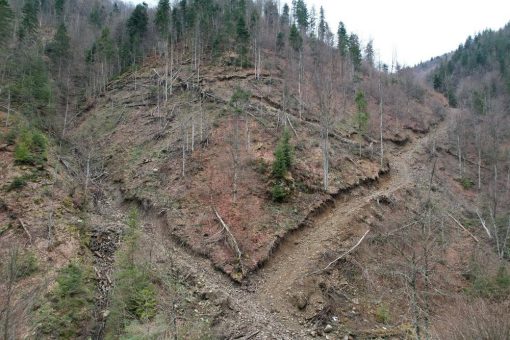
{"points": [[230, 169]]}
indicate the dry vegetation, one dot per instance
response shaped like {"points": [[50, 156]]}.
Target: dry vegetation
{"points": [[205, 189]]}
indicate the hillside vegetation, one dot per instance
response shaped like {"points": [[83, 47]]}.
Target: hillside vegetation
{"points": [[237, 169]]}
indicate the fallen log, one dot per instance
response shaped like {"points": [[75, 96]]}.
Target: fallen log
{"points": [[462, 227], [343, 255], [26, 230], [231, 240]]}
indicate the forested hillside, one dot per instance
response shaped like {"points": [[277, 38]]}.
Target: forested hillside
{"points": [[240, 169], [476, 79]]}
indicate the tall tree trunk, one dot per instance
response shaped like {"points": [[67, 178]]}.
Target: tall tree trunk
{"points": [[8, 108], [381, 119]]}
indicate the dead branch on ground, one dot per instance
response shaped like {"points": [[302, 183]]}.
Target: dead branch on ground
{"points": [[231, 239], [343, 255]]}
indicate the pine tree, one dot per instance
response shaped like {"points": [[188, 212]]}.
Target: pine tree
{"points": [[355, 51], [59, 47], [369, 53], [285, 18], [243, 39], [283, 159], [105, 45], [29, 21], [6, 17], [362, 114], [280, 41], [59, 8], [343, 40], [322, 25], [301, 14], [271, 12], [312, 23], [137, 22], [295, 39], [162, 19]]}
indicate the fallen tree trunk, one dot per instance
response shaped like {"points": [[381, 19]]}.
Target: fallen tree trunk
{"points": [[231, 240], [463, 228], [343, 255], [26, 230]]}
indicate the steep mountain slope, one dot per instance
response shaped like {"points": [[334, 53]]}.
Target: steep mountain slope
{"points": [[224, 169]]}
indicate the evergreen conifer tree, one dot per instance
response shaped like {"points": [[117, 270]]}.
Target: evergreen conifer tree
{"points": [[355, 51], [295, 39], [6, 17], [29, 21], [343, 40], [162, 19]]}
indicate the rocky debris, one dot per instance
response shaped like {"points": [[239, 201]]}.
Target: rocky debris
{"points": [[328, 328], [397, 139], [103, 243], [299, 300]]}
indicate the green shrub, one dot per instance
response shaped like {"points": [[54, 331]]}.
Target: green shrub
{"points": [[382, 314], [283, 156], [30, 148], [10, 136], [17, 183], [283, 159], [69, 306], [362, 115], [22, 154], [144, 302], [279, 192], [39, 142], [26, 265], [466, 183], [497, 286], [134, 295]]}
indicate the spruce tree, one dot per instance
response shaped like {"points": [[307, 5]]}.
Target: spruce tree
{"points": [[137, 22], [59, 47], [343, 40], [355, 51], [295, 40], [243, 39], [162, 19], [59, 8], [322, 25], [285, 18], [29, 22], [301, 14], [369, 53], [362, 114], [105, 45], [6, 17], [280, 41]]}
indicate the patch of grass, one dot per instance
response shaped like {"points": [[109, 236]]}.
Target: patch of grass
{"points": [[31, 148], [69, 305], [10, 136], [483, 285], [259, 165], [467, 183], [3, 229], [20, 182], [17, 183], [279, 192], [26, 265], [382, 314]]}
